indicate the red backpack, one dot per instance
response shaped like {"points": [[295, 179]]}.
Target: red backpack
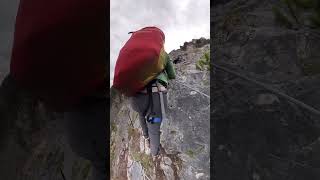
{"points": [[140, 60], [59, 50]]}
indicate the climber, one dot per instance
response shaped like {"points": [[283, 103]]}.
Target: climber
{"points": [[59, 59], [142, 71], [149, 106]]}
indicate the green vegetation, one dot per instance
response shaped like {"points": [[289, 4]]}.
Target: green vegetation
{"points": [[190, 153], [300, 14], [112, 149], [86, 169], [81, 168], [232, 19], [306, 4], [204, 62], [113, 127], [311, 68], [315, 18], [130, 131], [112, 155], [144, 159], [281, 17], [112, 141], [291, 15]]}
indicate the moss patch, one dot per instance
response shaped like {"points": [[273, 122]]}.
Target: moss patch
{"points": [[281, 18], [113, 127], [81, 169], [176, 164], [134, 138], [112, 154], [294, 10], [311, 69], [204, 62], [130, 131], [145, 161], [86, 169], [190, 153], [232, 19]]}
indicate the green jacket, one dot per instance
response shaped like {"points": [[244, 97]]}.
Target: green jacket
{"points": [[168, 72]]}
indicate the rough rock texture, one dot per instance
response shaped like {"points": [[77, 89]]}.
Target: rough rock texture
{"points": [[257, 134], [185, 133], [8, 9], [36, 148]]}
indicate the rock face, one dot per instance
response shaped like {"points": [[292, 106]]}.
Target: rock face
{"points": [[36, 148], [8, 11], [185, 133], [258, 134]]}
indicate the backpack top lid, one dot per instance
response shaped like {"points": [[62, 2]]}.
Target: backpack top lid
{"points": [[139, 60], [153, 29]]}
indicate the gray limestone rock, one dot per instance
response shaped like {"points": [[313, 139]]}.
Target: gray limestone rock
{"points": [[185, 133]]}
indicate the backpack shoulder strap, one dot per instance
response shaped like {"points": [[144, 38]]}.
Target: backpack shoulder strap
{"points": [[150, 109]]}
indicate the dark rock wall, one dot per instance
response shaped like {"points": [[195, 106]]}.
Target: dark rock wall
{"points": [[257, 134]]}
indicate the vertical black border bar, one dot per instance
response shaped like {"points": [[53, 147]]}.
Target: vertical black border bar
{"points": [[107, 20]]}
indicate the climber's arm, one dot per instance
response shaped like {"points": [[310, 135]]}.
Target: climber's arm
{"points": [[170, 69]]}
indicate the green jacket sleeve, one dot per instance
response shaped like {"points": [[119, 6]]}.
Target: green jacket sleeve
{"points": [[170, 69]]}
